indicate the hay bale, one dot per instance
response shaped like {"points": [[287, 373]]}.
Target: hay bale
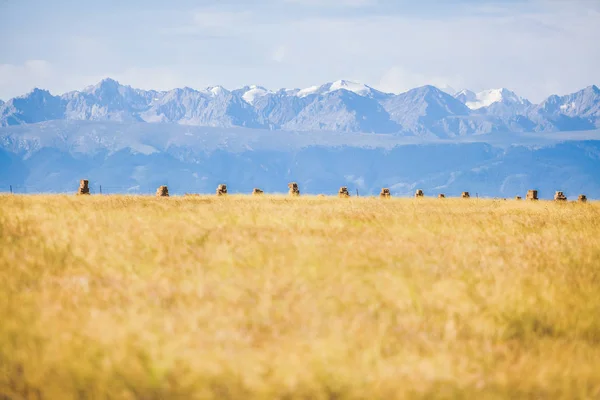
{"points": [[582, 198], [256, 192], [441, 196], [343, 192], [517, 197], [532, 195], [560, 196], [419, 193], [385, 193], [83, 187], [162, 191], [465, 195], [293, 189], [221, 190]]}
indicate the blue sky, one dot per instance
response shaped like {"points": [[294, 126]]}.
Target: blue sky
{"points": [[534, 47]]}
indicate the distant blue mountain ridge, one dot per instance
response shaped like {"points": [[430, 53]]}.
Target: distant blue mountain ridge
{"points": [[341, 106]]}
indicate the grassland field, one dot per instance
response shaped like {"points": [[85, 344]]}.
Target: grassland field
{"points": [[241, 297]]}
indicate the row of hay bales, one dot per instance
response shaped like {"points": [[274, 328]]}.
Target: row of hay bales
{"points": [[558, 196], [293, 190], [385, 192]]}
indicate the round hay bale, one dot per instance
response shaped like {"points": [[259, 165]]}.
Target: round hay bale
{"points": [[441, 196], [465, 195], [582, 198], [256, 192], [419, 193]]}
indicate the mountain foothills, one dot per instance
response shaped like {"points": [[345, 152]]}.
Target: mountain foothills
{"points": [[341, 106]]}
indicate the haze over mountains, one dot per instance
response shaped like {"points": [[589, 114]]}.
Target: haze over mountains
{"points": [[493, 143], [341, 106]]}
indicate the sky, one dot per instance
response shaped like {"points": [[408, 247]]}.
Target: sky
{"points": [[534, 47]]}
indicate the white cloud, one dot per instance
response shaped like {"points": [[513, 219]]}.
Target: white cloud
{"points": [[534, 54], [34, 73]]}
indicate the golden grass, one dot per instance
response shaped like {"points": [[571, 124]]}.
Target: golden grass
{"points": [[268, 297]]}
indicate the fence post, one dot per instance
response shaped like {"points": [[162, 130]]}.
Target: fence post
{"points": [[100, 189], [10, 189], [357, 192]]}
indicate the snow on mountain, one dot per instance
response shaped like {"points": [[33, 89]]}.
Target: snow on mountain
{"points": [[498, 110], [350, 86], [216, 91], [251, 93], [308, 91], [486, 98]]}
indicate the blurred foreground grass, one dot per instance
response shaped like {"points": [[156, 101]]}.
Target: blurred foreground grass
{"points": [[312, 298]]}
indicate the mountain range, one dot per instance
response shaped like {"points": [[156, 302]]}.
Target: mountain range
{"points": [[124, 140], [341, 106]]}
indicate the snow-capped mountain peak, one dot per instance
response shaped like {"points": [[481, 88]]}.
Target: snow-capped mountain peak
{"points": [[253, 92], [215, 91], [486, 98], [350, 86]]}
